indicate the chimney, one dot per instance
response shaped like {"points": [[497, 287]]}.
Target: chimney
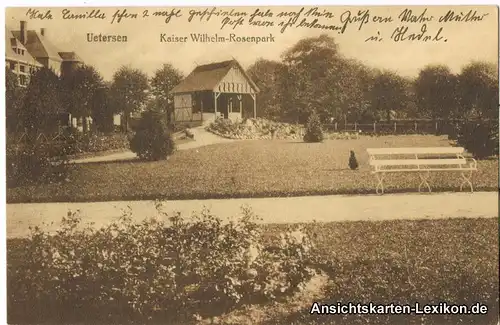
{"points": [[42, 31], [24, 32]]}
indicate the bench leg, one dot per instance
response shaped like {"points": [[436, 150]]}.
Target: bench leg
{"points": [[380, 184], [466, 180], [423, 181]]}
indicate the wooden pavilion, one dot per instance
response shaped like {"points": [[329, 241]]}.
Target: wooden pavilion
{"points": [[216, 90]]}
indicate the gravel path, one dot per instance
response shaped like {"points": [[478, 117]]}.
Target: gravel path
{"points": [[201, 137], [272, 210]]}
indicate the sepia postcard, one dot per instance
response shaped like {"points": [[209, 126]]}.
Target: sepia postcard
{"points": [[252, 165]]}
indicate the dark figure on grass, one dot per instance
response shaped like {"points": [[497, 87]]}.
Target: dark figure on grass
{"points": [[353, 162]]}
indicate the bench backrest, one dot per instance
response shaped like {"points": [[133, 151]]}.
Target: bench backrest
{"points": [[416, 151], [416, 156], [394, 159]]}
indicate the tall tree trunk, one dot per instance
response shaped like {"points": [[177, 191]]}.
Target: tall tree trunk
{"points": [[125, 121], [85, 125]]}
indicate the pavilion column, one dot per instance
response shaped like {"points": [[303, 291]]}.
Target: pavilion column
{"points": [[240, 99], [216, 95], [201, 107], [215, 104], [254, 106]]}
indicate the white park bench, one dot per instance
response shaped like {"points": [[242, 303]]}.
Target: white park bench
{"points": [[421, 161]]}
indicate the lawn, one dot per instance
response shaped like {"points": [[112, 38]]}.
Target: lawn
{"points": [[248, 169], [400, 261], [428, 261]]}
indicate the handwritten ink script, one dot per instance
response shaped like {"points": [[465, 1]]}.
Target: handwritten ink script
{"points": [[406, 25]]}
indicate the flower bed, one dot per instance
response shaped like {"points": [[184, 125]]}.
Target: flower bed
{"points": [[90, 143], [256, 129], [262, 129]]}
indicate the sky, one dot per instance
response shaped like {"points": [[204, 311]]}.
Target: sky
{"points": [[465, 41]]}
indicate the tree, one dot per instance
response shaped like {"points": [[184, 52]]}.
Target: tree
{"points": [[316, 77], [129, 92], [102, 113], [82, 85], [436, 92], [42, 104], [478, 89], [14, 95], [306, 84], [164, 80], [265, 74], [390, 94], [11, 89], [288, 95], [351, 83]]}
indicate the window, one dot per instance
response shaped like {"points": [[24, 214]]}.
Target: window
{"points": [[13, 66], [22, 68], [23, 80]]}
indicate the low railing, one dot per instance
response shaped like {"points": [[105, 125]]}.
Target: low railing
{"points": [[396, 127]]}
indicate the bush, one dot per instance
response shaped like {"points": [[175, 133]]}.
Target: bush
{"points": [[153, 270], [224, 127], [152, 141], [314, 133], [480, 138], [32, 164]]}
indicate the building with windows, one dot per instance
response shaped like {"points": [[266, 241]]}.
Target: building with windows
{"points": [[26, 50], [215, 90], [18, 59]]}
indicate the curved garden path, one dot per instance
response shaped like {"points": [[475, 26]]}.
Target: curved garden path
{"points": [[201, 138]]}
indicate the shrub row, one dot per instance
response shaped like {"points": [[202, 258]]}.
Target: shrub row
{"points": [[174, 271], [32, 164], [44, 162], [73, 142]]}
